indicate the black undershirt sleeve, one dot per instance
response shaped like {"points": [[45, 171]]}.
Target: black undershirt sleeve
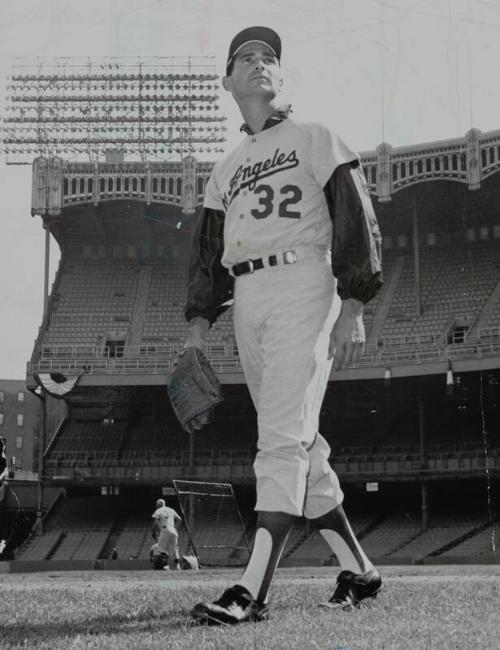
{"points": [[356, 240], [210, 286]]}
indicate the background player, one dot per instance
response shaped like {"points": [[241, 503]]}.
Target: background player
{"points": [[273, 210], [165, 533]]}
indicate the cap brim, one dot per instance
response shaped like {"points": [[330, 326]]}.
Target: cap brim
{"points": [[252, 40]]}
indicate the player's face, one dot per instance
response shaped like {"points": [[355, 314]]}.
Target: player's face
{"points": [[255, 72]]}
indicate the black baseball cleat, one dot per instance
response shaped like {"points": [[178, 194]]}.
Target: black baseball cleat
{"points": [[236, 605], [353, 588]]}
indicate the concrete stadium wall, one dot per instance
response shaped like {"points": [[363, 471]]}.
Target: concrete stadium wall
{"points": [[26, 566], [20, 566]]}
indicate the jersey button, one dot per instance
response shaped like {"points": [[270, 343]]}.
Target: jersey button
{"points": [[254, 139], [238, 243], [249, 160], [242, 216]]}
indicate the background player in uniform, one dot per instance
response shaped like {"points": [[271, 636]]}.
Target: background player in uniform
{"points": [[165, 533], [274, 210]]}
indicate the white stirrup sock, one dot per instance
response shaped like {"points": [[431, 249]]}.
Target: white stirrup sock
{"points": [[336, 530], [270, 539], [348, 560]]}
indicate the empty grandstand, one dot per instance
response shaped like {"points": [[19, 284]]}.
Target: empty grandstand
{"points": [[414, 422]]}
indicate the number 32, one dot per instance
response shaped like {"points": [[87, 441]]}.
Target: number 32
{"points": [[292, 194]]}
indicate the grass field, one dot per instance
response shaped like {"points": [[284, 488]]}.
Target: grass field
{"points": [[419, 608]]}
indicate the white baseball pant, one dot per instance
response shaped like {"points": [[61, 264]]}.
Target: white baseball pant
{"points": [[168, 542], [283, 317]]}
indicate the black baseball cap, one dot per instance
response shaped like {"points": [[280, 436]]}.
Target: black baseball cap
{"points": [[259, 34]]}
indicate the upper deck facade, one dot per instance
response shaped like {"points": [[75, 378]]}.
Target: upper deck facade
{"points": [[58, 184]]}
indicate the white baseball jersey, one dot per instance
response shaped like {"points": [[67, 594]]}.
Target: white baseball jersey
{"points": [[166, 518], [271, 189]]}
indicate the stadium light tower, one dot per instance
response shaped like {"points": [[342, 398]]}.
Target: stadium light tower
{"points": [[158, 108]]}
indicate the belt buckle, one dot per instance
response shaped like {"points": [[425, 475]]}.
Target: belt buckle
{"points": [[250, 266], [289, 257]]}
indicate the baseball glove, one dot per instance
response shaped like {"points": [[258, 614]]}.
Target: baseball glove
{"points": [[194, 389]]}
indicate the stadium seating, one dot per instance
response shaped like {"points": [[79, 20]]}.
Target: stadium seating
{"points": [[89, 436], [39, 547], [133, 539], [164, 319], [306, 546], [394, 532], [442, 532], [467, 275], [78, 530], [93, 299], [98, 298], [478, 545]]}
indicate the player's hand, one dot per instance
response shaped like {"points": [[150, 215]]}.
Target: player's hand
{"points": [[197, 332], [348, 335]]}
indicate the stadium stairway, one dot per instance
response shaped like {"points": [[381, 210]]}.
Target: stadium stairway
{"points": [[392, 533], [57, 434], [432, 540], [386, 299], [38, 547], [298, 535], [452, 549], [114, 535], [484, 317], [138, 314]]}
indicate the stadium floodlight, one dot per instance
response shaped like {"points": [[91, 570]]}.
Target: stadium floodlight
{"points": [[90, 106]]}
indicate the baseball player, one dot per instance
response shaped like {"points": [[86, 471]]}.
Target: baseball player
{"points": [[165, 533], [282, 211]]}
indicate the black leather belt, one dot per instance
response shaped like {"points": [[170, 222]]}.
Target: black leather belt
{"points": [[249, 266]]}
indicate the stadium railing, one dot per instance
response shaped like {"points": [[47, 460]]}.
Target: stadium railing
{"points": [[96, 359]]}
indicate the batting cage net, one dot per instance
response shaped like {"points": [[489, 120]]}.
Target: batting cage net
{"points": [[214, 523]]}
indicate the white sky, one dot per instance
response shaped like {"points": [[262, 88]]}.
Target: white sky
{"points": [[403, 71]]}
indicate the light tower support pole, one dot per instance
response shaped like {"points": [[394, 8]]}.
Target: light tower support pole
{"points": [[46, 272]]}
